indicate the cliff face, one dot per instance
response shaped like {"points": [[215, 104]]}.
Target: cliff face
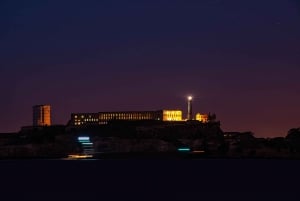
{"points": [[156, 136], [147, 137], [40, 142], [159, 137]]}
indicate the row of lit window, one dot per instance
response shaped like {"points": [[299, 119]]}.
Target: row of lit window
{"points": [[173, 112], [82, 123], [89, 120], [116, 115], [126, 116], [83, 116], [172, 115], [130, 117]]}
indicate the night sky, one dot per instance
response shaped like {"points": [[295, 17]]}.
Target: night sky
{"points": [[239, 59]]}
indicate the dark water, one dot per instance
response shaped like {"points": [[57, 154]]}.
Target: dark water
{"points": [[207, 179]]}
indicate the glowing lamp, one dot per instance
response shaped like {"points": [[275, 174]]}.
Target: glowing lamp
{"points": [[184, 149], [83, 138]]}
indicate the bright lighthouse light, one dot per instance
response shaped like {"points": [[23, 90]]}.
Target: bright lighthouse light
{"points": [[190, 98]]}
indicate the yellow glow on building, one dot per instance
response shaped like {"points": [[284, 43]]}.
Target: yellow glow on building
{"points": [[202, 117], [100, 118], [41, 115], [172, 115]]}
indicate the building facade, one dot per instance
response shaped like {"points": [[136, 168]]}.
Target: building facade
{"points": [[172, 115], [41, 115], [100, 118], [202, 117]]}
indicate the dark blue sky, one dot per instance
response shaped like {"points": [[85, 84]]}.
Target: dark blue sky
{"points": [[240, 59]]}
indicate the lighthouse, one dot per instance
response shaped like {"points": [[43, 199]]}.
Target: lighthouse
{"points": [[189, 112]]}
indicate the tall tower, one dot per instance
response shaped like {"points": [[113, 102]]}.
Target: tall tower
{"points": [[41, 115], [190, 112]]}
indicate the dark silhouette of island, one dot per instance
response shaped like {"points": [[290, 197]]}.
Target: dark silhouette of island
{"points": [[146, 138]]}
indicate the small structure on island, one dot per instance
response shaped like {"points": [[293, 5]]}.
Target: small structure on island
{"points": [[189, 111], [41, 115]]}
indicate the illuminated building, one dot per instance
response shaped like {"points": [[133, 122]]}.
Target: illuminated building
{"points": [[202, 117], [172, 115], [81, 119], [41, 115]]}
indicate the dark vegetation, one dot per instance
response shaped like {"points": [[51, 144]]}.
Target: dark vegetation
{"points": [[147, 137]]}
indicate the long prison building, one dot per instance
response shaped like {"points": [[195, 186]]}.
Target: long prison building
{"points": [[84, 119]]}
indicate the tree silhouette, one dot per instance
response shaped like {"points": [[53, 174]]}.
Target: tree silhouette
{"points": [[293, 140]]}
